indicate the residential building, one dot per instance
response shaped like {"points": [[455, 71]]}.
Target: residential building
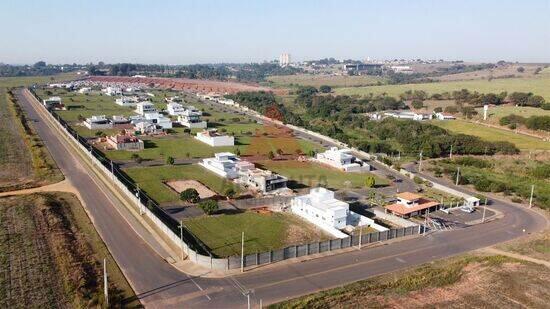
{"points": [[84, 90], [342, 159], [145, 127], [174, 109], [444, 116], [401, 69], [261, 180], [97, 122], [158, 119], [174, 99], [226, 101], [191, 118], [284, 59], [222, 164], [112, 91], [411, 204], [53, 103], [322, 209], [119, 120], [127, 101], [125, 142], [408, 115], [143, 108], [215, 139], [361, 68]]}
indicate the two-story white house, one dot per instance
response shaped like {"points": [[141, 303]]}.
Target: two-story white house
{"points": [[222, 164], [158, 119], [143, 108], [174, 109], [97, 122], [215, 139], [342, 159], [127, 101], [260, 180], [191, 118], [322, 209]]}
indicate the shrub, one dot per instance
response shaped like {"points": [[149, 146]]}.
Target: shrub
{"points": [[483, 185], [209, 207], [190, 195], [370, 181], [325, 89], [170, 160]]}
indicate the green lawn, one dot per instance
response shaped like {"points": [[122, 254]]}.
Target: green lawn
{"points": [[262, 232], [537, 85], [523, 142], [497, 112], [312, 174], [151, 179], [30, 80]]}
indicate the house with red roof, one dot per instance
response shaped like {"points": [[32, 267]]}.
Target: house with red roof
{"points": [[411, 204]]}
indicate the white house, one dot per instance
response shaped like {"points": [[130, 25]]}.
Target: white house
{"points": [[408, 115], [174, 109], [145, 127], [143, 108], [112, 91], [222, 164], [125, 142], [53, 102], [444, 116], [97, 122], [261, 180], [127, 101], [191, 118], [158, 119], [342, 159], [84, 90], [119, 120], [322, 209], [215, 139]]}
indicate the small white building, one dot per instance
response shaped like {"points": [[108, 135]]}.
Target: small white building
{"points": [[145, 127], [98, 122], [342, 159], [53, 102], [444, 116], [174, 109], [215, 139], [127, 101], [112, 91], [226, 101], [322, 209], [222, 164], [119, 120], [143, 108], [191, 118], [408, 115], [84, 90], [158, 119]]}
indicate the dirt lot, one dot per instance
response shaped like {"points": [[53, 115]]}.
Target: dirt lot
{"points": [[50, 256], [472, 281], [181, 185], [194, 85]]}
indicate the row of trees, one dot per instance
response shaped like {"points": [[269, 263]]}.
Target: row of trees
{"points": [[533, 122]]}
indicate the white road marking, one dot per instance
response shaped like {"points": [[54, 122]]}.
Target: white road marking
{"points": [[400, 260]]}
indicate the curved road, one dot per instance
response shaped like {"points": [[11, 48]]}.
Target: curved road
{"points": [[157, 284]]}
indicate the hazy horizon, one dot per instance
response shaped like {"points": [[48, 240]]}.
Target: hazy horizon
{"points": [[190, 32]]}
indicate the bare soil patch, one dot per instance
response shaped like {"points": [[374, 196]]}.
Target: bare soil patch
{"points": [[181, 185]]}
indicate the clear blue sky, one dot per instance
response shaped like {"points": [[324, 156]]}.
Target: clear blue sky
{"points": [[183, 32]]}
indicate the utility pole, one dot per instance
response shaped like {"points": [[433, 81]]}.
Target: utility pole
{"points": [[457, 175], [399, 156], [420, 164], [451, 153], [181, 238], [261, 306], [483, 217], [242, 258], [360, 237], [105, 285], [531, 198]]}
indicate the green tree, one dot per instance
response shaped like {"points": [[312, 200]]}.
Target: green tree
{"points": [[325, 89], [270, 155], [238, 151], [230, 192], [190, 195], [170, 160], [438, 109], [417, 104], [209, 206], [279, 151], [370, 181]]}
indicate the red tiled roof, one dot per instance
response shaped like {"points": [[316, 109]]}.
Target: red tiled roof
{"points": [[401, 209]]}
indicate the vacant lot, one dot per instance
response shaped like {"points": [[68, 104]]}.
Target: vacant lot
{"points": [[499, 72], [523, 142], [312, 174], [470, 281], [537, 85], [262, 232], [24, 161], [152, 180], [319, 80], [51, 256]]}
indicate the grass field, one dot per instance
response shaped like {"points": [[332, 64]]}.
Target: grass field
{"points": [[151, 180], [24, 161], [30, 80], [311, 174], [319, 80], [537, 85], [471, 281], [263, 232], [497, 112], [523, 142], [50, 256]]}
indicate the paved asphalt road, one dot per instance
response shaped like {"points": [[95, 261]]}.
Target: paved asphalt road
{"points": [[159, 285]]}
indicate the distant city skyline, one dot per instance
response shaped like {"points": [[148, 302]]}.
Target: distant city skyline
{"points": [[188, 32]]}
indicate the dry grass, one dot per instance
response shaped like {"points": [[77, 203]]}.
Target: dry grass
{"points": [[50, 255], [461, 282]]}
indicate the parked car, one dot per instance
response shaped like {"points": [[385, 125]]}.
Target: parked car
{"points": [[467, 209]]}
